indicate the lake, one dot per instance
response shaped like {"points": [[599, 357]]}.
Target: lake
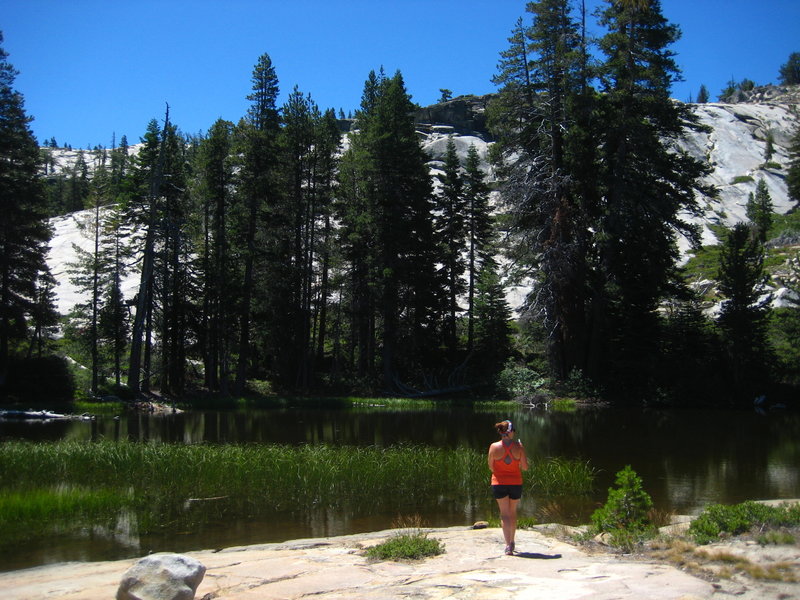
{"points": [[687, 459]]}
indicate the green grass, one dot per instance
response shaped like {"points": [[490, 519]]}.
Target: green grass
{"points": [[564, 405], [560, 477], [160, 481], [39, 512], [704, 264], [344, 402], [110, 408], [411, 545], [522, 522], [776, 537], [790, 222]]}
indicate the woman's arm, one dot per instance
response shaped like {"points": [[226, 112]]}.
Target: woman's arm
{"points": [[489, 458], [523, 459]]}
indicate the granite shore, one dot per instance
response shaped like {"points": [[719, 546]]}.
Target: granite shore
{"points": [[473, 566]]}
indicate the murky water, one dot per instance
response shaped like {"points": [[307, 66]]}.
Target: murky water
{"points": [[687, 459]]}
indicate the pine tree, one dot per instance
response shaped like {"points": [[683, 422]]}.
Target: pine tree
{"points": [[542, 191], [113, 319], [77, 185], [214, 181], [143, 212], [646, 184], [514, 72], [479, 224], [793, 176], [174, 269], [86, 276], [790, 71], [44, 317], [302, 145], [451, 235], [769, 147], [742, 317], [24, 231], [759, 210], [385, 196], [326, 147], [702, 95], [492, 320], [260, 200]]}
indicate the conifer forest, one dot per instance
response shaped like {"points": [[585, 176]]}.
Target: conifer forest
{"points": [[310, 253]]}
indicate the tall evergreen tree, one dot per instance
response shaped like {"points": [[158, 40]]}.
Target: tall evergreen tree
{"points": [[703, 95], [646, 185], [514, 69], [542, 192], [294, 327], [143, 212], [98, 274], [479, 224], [260, 199], [492, 320], [86, 276], [386, 191], [174, 271], [742, 318], [326, 147], [214, 172], [450, 225], [24, 231]]}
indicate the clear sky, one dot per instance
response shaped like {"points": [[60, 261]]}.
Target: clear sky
{"points": [[91, 69]]}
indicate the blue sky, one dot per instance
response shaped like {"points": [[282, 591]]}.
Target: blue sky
{"points": [[91, 69]]}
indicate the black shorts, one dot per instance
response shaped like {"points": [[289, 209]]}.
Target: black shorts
{"points": [[512, 491]]}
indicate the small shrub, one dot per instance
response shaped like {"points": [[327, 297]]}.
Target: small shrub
{"points": [[738, 518], [412, 545], [742, 179], [627, 506]]}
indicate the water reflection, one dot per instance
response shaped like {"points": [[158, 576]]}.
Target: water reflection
{"points": [[687, 459]]}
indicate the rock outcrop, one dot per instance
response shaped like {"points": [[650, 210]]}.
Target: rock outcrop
{"points": [[162, 577]]}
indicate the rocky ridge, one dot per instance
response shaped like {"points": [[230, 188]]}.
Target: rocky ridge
{"points": [[734, 145]]}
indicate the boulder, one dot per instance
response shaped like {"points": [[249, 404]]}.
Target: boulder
{"points": [[162, 577]]}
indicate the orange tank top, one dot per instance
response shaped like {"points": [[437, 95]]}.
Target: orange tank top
{"points": [[505, 470]]}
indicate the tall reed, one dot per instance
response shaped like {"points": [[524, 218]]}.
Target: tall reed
{"points": [[168, 483]]}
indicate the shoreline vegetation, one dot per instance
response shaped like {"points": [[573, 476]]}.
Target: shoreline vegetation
{"points": [[60, 487]]}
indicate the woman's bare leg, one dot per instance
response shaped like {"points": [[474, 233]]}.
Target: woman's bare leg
{"points": [[508, 519]]}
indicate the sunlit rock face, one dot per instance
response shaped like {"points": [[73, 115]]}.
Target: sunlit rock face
{"points": [[735, 144]]}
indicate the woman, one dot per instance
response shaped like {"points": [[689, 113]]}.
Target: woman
{"points": [[507, 460]]}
